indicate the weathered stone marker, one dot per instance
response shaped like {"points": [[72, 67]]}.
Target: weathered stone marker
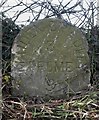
{"points": [[50, 59]]}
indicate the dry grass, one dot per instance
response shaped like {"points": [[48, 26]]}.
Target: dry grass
{"points": [[82, 107]]}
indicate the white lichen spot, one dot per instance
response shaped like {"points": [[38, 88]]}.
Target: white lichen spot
{"points": [[67, 77], [48, 34], [20, 72], [33, 58], [25, 68], [23, 49], [79, 61], [83, 37], [55, 59], [43, 40], [38, 51], [64, 45], [64, 68], [80, 65], [14, 64], [84, 66], [74, 32], [50, 52], [55, 39], [13, 51], [68, 69], [83, 54], [16, 60], [15, 48], [25, 46], [69, 38]]}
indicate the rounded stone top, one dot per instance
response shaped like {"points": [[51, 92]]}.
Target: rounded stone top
{"points": [[50, 57]]}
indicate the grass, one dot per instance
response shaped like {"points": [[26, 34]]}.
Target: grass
{"points": [[82, 107]]}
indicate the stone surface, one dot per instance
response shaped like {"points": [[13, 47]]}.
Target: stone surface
{"points": [[50, 59]]}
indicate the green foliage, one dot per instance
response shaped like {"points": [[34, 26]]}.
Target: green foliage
{"points": [[9, 32], [6, 78], [93, 41]]}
